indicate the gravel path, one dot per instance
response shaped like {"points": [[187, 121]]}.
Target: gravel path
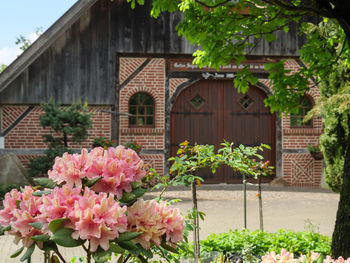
{"points": [[289, 208]]}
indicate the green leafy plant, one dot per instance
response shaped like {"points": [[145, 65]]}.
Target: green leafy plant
{"points": [[192, 158], [257, 243], [133, 146], [314, 149], [103, 142]]}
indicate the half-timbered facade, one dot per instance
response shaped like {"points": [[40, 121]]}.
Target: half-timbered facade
{"points": [[122, 60]]}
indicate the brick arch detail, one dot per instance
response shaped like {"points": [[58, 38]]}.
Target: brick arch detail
{"points": [[150, 91]]}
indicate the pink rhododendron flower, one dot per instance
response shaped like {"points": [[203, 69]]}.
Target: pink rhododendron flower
{"points": [[284, 257], [328, 259], [154, 220], [98, 218], [59, 204], [119, 167], [21, 209], [70, 168]]}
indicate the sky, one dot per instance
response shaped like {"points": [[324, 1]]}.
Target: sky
{"points": [[24, 17]]}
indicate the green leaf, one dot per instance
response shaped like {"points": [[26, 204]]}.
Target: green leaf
{"points": [[127, 236], [139, 192], [56, 224], [320, 259], [18, 202], [143, 260], [266, 146], [130, 246], [49, 245], [169, 248], [115, 248], [145, 252], [127, 198], [135, 185], [41, 193], [101, 256], [42, 238], [8, 228], [90, 183], [37, 225], [63, 237], [28, 253], [45, 182], [17, 252]]}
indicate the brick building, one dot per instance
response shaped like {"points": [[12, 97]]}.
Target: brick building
{"points": [[121, 60]]}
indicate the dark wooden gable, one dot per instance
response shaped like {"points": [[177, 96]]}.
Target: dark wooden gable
{"points": [[81, 63]]}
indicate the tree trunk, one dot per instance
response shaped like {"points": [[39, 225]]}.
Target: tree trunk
{"points": [[341, 234], [65, 139], [261, 219], [196, 224]]}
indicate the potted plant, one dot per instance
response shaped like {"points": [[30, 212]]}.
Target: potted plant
{"points": [[315, 151]]}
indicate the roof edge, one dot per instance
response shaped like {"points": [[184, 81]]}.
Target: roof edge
{"points": [[43, 42]]}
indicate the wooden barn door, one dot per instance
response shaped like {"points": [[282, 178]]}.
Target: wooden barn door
{"points": [[210, 111]]}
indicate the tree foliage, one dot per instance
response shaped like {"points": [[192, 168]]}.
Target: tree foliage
{"points": [[2, 67], [24, 42], [225, 30], [328, 39]]}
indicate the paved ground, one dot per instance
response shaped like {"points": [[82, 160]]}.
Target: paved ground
{"points": [[289, 208]]}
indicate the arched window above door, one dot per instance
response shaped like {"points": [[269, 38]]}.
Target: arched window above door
{"points": [[296, 119], [141, 106]]}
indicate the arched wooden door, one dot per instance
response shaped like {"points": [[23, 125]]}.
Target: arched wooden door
{"points": [[210, 111]]}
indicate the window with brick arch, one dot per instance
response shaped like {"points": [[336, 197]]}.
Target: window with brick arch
{"points": [[141, 106], [296, 119]]}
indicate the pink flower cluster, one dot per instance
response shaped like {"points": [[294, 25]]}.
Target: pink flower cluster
{"points": [[155, 220], [94, 217], [119, 167], [93, 213], [21, 209], [286, 257]]}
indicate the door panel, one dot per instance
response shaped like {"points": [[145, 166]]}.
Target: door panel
{"points": [[210, 111]]}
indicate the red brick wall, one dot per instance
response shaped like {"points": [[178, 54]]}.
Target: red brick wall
{"points": [[174, 83], [302, 170], [128, 66], [28, 132], [12, 114], [156, 161], [151, 80]]}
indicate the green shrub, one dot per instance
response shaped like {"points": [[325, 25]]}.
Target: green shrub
{"points": [[261, 242]]}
